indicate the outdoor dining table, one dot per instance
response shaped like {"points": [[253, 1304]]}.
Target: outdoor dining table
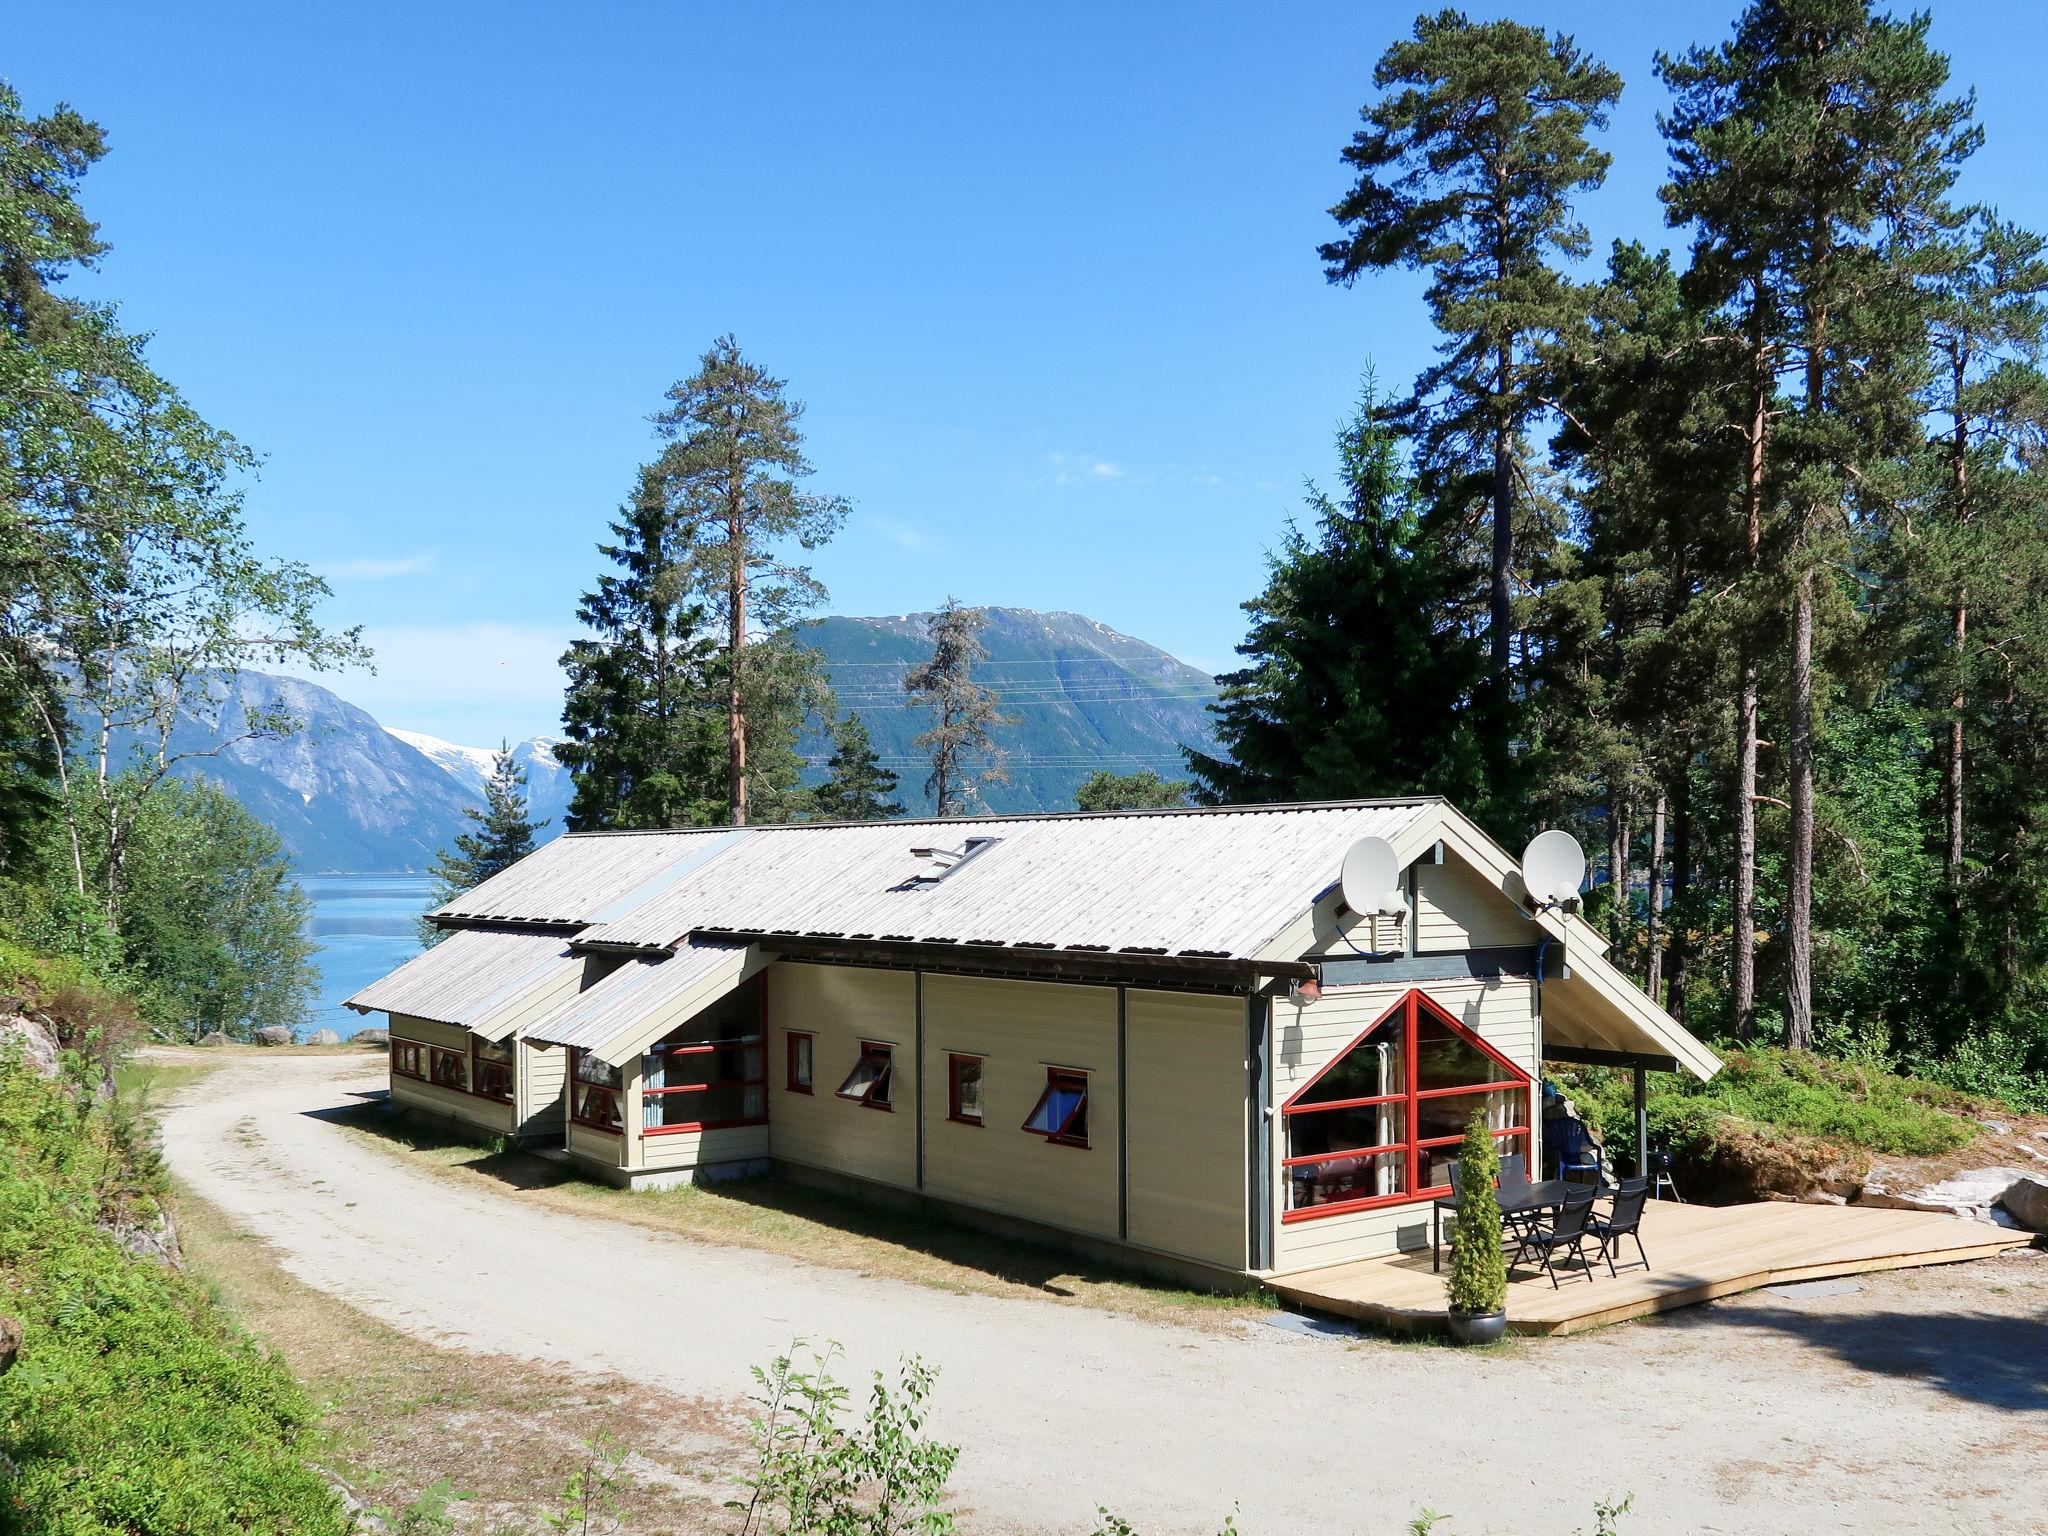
{"points": [[1515, 1200]]}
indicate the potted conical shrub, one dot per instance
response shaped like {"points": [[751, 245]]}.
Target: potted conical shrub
{"points": [[1478, 1289]]}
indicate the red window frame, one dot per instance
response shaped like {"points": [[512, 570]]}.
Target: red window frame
{"points": [[755, 1042], [407, 1059], [434, 1055], [1070, 1079], [1411, 1009], [490, 1078], [885, 1079], [791, 1081], [955, 1060], [615, 1123]]}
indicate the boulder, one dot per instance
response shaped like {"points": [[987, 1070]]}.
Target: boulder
{"points": [[376, 1037], [10, 1343], [274, 1034], [2026, 1201], [38, 1047], [213, 1039], [1974, 1193], [323, 1037]]}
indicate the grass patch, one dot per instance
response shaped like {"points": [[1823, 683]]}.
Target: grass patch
{"points": [[777, 1215], [1779, 1121]]}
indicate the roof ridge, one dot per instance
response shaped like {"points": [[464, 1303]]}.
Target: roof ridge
{"points": [[1274, 808]]}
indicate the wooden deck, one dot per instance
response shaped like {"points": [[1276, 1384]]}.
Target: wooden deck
{"points": [[1697, 1253]]}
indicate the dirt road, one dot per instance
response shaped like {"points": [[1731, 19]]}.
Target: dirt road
{"points": [[1919, 1403]]}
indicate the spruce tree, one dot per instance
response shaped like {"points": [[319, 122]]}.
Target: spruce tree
{"points": [[502, 837], [965, 714], [1467, 166], [730, 472], [640, 713], [857, 787], [1356, 683], [1813, 157]]}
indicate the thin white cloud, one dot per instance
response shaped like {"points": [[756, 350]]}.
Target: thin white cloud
{"points": [[372, 569], [1107, 471], [902, 535]]}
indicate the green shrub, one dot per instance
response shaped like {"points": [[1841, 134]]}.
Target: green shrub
{"points": [[1479, 1275], [135, 1407]]}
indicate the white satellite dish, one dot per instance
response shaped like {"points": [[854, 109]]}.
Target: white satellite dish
{"points": [[1553, 868], [1372, 879]]}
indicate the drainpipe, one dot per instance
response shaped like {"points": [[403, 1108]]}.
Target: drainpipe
{"points": [[1642, 1078]]}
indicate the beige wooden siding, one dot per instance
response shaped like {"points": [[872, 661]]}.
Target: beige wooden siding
{"points": [[1021, 1028], [1457, 907], [596, 1146], [840, 1006], [540, 1081], [486, 1114], [1184, 1056], [1307, 1037]]}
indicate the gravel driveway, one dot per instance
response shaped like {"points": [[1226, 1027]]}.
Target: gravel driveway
{"points": [[1918, 1403]]}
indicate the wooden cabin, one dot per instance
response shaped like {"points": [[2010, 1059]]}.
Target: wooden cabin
{"points": [[1159, 1036]]}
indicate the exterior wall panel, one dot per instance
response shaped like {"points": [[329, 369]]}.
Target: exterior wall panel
{"points": [[1457, 907], [1021, 1028], [840, 1006], [1185, 1094], [486, 1114]]}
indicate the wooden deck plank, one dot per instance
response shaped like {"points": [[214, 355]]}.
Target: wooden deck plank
{"points": [[1698, 1253]]}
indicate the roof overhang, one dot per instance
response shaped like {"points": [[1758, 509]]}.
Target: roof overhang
{"points": [[487, 981], [619, 1017], [1028, 962]]}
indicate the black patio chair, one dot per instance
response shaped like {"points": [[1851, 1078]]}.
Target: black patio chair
{"points": [[1624, 1220], [1565, 1236]]}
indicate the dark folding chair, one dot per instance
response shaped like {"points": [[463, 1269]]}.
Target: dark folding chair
{"points": [[1514, 1176], [1565, 1236], [1625, 1220]]}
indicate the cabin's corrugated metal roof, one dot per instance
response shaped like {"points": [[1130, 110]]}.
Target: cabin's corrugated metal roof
{"points": [[469, 977], [575, 879], [637, 991], [1212, 883]]}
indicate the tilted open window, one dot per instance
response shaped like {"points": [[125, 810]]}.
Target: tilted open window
{"points": [[491, 1070], [1061, 1114], [1377, 1125], [868, 1082]]}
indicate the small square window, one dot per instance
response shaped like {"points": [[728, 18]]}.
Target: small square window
{"points": [[963, 1089], [1061, 1114], [797, 1078], [868, 1082]]}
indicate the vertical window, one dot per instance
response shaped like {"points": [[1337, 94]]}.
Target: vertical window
{"points": [[712, 1072], [405, 1058], [491, 1070], [797, 1063], [448, 1069], [594, 1094], [868, 1082], [963, 1089], [1378, 1124], [1061, 1114]]}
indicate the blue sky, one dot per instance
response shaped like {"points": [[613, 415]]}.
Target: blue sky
{"points": [[1044, 275]]}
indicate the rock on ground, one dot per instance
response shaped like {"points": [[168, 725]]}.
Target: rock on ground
{"points": [[2026, 1201], [370, 1037], [273, 1034], [1974, 1193], [10, 1343], [323, 1037], [213, 1038], [33, 1039]]}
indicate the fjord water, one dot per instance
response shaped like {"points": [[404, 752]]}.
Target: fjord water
{"points": [[365, 925]]}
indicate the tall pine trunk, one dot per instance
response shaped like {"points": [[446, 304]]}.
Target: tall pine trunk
{"points": [[1959, 487], [1653, 974], [1799, 895], [735, 712], [1742, 942], [1681, 889], [1500, 607]]}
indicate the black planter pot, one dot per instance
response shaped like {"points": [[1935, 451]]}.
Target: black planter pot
{"points": [[1478, 1327]]}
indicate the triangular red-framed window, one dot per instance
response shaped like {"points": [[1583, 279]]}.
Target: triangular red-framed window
{"points": [[1380, 1122]]}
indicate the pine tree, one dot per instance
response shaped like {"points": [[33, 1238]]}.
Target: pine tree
{"points": [[640, 711], [1467, 165], [964, 713], [857, 787], [729, 471], [1140, 791], [1814, 153], [503, 836], [1357, 685]]}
